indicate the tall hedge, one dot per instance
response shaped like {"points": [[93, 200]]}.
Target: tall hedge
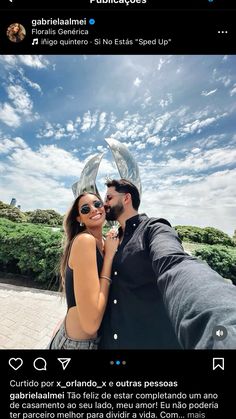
{"points": [[208, 235], [38, 216], [220, 258], [34, 250], [48, 217], [31, 250]]}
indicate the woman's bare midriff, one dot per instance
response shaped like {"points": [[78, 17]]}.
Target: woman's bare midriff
{"points": [[73, 326]]}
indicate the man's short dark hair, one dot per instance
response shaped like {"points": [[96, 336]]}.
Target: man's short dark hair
{"points": [[124, 185]]}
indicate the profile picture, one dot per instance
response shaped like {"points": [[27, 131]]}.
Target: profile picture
{"points": [[16, 32]]}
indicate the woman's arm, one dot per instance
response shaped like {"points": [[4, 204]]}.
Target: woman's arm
{"points": [[91, 293]]}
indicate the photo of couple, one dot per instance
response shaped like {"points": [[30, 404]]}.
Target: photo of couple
{"points": [[153, 294], [127, 279]]}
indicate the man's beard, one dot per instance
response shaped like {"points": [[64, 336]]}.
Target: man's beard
{"points": [[114, 212]]}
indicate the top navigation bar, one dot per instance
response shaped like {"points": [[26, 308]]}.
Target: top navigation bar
{"points": [[120, 4]]}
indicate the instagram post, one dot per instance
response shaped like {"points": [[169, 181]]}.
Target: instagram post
{"points": [[117, 212]]}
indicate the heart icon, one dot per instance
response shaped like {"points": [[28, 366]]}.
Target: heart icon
{"points": [[15, 363]]}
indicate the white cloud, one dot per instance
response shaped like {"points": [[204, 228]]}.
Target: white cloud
{"points": [[86, 122], [147, 102], [121, 125], [233, 91], [70, 126], [141, 146], [35, 61], [102, 121], [33, 85], [29, 82], [167, 101], [137, 82], [57, 131], [160, 122], [9, 116], [21, 99], [154, 140], [34, 192], [207, 201], [7, 144], [206, 93], [196, 150], [222, 79], [197, 161], [47, 132], [36, 178], [9, 59], [163, 60], [198, 125], [47, 160], [94, 119]]}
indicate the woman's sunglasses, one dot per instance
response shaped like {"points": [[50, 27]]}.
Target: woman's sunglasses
{"points": [[85, 209]]}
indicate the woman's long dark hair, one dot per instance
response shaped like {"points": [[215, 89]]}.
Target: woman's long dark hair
{"points": [[71, 228], [15, 36]]}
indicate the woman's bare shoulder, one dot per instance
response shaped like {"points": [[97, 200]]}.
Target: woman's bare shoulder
{"points": [[82, 240], [83, 248]]}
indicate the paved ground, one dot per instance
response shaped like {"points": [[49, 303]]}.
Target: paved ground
{"points": [[28, 316]]}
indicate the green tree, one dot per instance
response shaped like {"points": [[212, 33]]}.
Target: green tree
{"points": [[219, 258], [212, 235], [11, 213], [30, 250], [49, 217], [209, 235]]}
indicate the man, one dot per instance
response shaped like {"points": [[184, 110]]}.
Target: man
{"points": [[160, 297]]}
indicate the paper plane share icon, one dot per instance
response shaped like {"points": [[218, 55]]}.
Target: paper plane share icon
{"points": [[64, 362]]}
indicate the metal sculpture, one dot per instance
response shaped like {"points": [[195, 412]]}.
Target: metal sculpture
{"points": [[127, 167], [88, 177]]}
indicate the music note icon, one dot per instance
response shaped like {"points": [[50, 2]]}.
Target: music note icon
{"points": [[35, 41]]}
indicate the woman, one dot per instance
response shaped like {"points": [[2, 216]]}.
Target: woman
{"points": [[85, 270], [16, 32]]}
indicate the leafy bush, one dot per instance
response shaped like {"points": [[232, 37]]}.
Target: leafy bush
{"points": [[209, 235], [11, 213], [220, 258], [31, 250], [49, 217]]}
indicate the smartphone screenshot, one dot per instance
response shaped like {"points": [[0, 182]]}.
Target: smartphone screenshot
{"points": [[117, 209]]}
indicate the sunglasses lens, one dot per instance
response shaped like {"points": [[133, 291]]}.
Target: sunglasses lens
{"points": [[98, 204], [85, 210]]}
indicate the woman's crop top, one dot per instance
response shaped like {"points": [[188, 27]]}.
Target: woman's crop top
{"points": [[69, 281]]}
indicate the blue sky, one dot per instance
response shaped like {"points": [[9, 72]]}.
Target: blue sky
{"points": [[176, 114]]}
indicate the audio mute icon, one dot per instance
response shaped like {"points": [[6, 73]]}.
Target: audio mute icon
{"points": [[219, 332]]}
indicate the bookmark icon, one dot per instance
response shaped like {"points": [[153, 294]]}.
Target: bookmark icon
{"points": [[218, 363], [64, 362]]}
